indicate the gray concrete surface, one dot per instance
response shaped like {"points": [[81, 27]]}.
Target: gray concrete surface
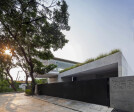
{"points": [[18, 102], [122, 93], [75, 105], [105, 64]]}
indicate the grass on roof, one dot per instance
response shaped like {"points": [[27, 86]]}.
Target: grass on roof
{"points": [[91, 60]]}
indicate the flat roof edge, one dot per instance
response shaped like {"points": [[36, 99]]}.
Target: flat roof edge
{"points": [[104, 61]]}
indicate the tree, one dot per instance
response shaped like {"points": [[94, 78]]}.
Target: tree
{"points": [[6, 64], [31, 29]]}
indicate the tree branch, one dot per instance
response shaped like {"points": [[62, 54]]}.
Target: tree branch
{"points": [[36, 19]]}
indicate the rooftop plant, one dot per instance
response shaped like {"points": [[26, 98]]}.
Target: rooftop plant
{"points": [[92, 59]]}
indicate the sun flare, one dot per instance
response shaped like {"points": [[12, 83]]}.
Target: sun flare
{"points": [[8, 52]]}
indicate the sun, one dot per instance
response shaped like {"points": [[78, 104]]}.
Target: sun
{"points": [[8, 52]]}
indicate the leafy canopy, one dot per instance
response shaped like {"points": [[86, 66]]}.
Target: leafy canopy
{"points": [[31, 29]]}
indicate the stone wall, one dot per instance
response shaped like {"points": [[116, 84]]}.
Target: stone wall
{"points": [[122, 93]]}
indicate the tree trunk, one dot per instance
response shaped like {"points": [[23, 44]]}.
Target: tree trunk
{"points": [[27, 80], [13, 86], [33, 81], [11, 83]]}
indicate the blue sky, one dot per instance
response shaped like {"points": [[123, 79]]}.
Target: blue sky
{"points": [[98, 26]]}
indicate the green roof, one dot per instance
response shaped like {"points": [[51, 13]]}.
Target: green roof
{"points": [[92, 59]]}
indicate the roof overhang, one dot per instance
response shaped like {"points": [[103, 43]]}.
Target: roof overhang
{"points": [[109, 63], [112, 68]]}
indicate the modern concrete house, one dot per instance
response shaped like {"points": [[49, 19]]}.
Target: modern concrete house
{"points": [[107, 80], [61, 65], [114, 65]]}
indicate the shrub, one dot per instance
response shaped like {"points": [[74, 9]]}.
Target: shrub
{"points": [[28, 92], [41, 81], [4, 86]]}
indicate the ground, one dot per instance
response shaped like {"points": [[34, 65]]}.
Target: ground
{"points": [[18, 102]]}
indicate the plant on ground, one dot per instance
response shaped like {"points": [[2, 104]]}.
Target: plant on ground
{"points": [[5, 86], [28, 91]]}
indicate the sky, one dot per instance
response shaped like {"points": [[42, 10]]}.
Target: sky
{"points": [[98, 26]]}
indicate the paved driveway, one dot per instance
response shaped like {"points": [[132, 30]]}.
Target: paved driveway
{"points": [[18, 102]]}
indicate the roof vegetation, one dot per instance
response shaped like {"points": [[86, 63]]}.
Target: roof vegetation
{"points": [[92, 59]]}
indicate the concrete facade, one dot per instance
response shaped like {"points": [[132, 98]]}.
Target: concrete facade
{"points": [[113, 65], [53, 74], [52, 80], [122, 93]]}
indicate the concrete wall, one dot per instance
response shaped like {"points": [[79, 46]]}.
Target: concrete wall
{"points": [[108, 60], [122, 93], [122, 66], [52, 80], [96, 76], [126, 69]]}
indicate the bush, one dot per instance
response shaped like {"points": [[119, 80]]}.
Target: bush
{"points": [[4, 86], [41, 81], [28, 92]]}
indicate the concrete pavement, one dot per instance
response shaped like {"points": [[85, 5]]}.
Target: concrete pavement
{"points": [[74, 105], [18, 102]]}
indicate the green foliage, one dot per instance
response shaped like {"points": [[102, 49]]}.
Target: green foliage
{"points": [[40, 68], [114, 51], [1, 74], [41, 81], [31, 29], [4, 86], [91, 60], [28, 92], [101, 56]]}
